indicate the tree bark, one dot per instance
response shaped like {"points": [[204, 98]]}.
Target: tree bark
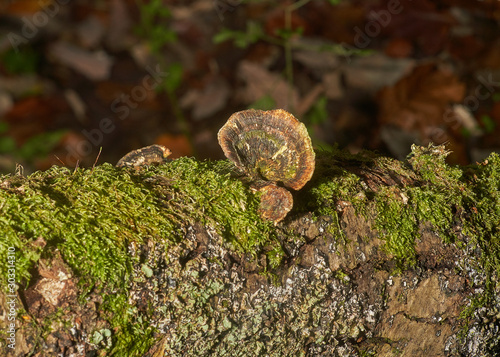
{"points": [[378, 257]]}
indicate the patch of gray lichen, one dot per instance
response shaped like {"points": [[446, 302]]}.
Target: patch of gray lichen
{"points": [[209, 306]]}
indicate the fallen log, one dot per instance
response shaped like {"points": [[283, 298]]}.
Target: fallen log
{"points": [[377, 257]]}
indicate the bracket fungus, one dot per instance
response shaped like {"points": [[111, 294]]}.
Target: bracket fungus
{"points": [[153, 154], [273, 149]]}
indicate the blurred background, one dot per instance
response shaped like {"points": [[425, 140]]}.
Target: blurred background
{"points": [[87, 81]]}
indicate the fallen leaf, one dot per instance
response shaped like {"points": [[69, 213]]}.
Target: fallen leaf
{"points": [[309, 100], [23, 7], [34, 115], [421, 102], [209, 100], [94, 65], [119, 26], [371, 73], [260, 82], [6, 102], [399, 48], [419, 21], [178, 144], [90, 32], [335, 22], [318, 60], [333, 85]]}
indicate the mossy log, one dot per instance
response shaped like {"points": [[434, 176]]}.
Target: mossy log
{"points": [[377, 258]]}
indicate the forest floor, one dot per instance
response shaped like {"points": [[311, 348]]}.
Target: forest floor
{"points": [[76, 77]]}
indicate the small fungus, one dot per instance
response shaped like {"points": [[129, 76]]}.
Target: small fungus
{"points": [[153, 154], [273, 149]]}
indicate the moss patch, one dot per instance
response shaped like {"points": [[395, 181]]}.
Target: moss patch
{"points": [[93, 216]]}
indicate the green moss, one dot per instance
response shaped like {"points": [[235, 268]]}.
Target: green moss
{"points": [[131, 334], [481, 224], [331, 184], [430, 164], [393, 166], [482, 206], [203, 192], [344, 187], [396, 224], [342, 276], [275, 256], [467, 196], [436, 208], [93, 215]]}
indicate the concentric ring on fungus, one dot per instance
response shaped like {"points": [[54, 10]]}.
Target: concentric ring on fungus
{"points": [[270, 146]]}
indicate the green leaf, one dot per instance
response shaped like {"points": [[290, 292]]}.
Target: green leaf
{"points": [[488, 123], [160, 36], [154, 26], [286, 34], [265, 102], [223, 35], [7, 145], [174, 78], [253, 33], [20, 61], [318, 113], [40, 145], [3, 127]]}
